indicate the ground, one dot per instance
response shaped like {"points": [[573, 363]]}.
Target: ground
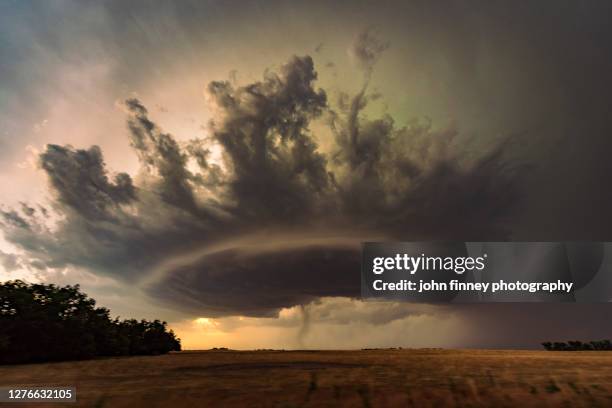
{"points": [[368, 378]]}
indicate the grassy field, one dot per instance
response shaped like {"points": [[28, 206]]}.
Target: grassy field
{"points": [[374, 378]]}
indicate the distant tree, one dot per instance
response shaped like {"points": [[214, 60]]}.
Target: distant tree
{"points": [[41, 322], [577, 345], [602, 345]]}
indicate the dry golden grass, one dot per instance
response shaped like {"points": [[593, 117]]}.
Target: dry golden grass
{"points": [[375, 378]]}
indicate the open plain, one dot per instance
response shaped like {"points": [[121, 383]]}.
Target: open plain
{"points": [[367, 378]]}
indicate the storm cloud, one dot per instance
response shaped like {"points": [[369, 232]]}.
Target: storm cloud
{"points": [[272, 182]]}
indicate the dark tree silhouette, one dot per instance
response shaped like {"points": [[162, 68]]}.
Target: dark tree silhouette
{"points": [[576, 345], [547, 345], [50, 323]]}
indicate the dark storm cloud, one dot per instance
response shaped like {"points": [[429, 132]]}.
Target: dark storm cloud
{"points": [[396, 182], [367, 49], [410, 178], [542, 69], [159, 151], [79, 180], [256, 281], [104, 222], [277, 172]]}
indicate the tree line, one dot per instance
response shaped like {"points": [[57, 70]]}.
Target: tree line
{"points": [[577, 345], [40, 322]]}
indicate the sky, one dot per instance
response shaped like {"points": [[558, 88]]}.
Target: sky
{"points": [[217, 164]]}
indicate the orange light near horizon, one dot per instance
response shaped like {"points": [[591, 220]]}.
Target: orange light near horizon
{"points": [[205, 322]]}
